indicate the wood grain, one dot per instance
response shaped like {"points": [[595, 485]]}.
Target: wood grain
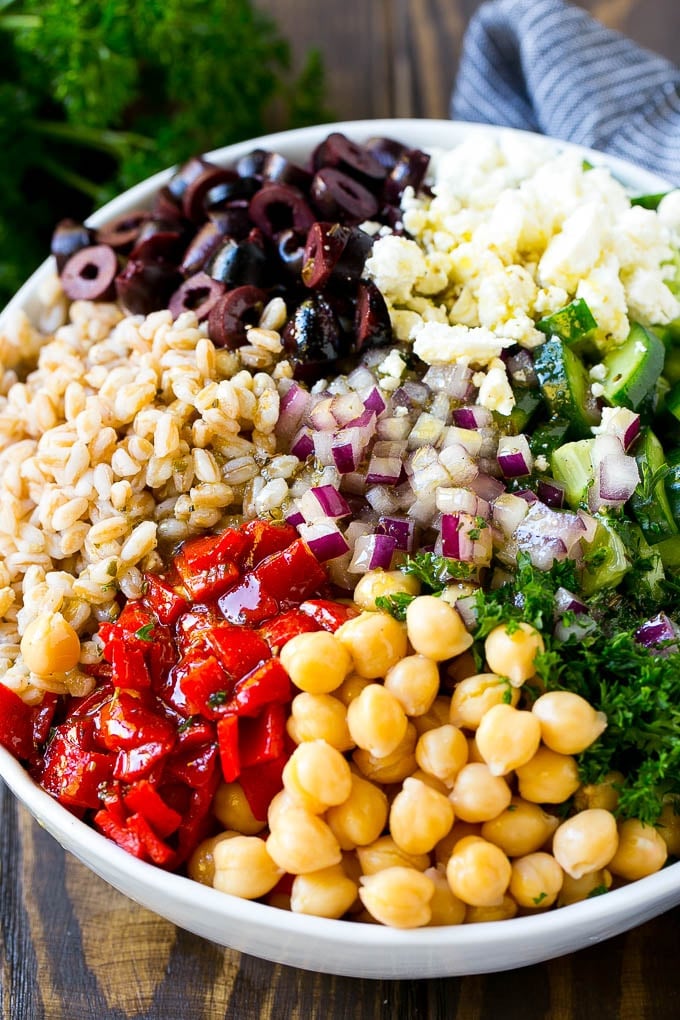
{"points": [[71, 948]]}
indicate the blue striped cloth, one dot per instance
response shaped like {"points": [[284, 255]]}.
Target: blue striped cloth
{"points": [[546, 66]]}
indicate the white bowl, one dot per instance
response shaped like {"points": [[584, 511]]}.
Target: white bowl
{"points": [[343, 947]]}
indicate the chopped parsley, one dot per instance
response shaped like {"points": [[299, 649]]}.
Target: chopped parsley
{"points": [[436, 572], [396, 604], [537, 900], [146, 632], [217, 698]]}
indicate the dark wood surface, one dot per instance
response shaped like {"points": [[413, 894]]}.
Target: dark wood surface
{"points": [[72, 948]]}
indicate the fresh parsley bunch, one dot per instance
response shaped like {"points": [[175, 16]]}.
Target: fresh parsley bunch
{"points": [[98, 94]]}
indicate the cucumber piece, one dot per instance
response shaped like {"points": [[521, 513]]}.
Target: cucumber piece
{"points": [[566, 387], [571, 323], [572, 465], [672, 403], [669, 550], [527, 403], [605, 560], [672, 484], [547, 437], [649, 503], [633, 368]]}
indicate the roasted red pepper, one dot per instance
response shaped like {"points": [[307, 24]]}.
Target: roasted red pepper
{"points": [[262, 739], [228, 743], [280, 629], [16, 725], [162, 599], [205, 685], [292, 575], [119, 833], [71, 771], [248, 603], [268, 683], [265, 538], [238, 650], [261, 783], [328, 614]]}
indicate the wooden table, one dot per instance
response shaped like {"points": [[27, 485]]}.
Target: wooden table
{"points": [[73, 949]]}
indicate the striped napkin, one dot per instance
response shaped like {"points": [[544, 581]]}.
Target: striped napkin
{"points": [[546, 66]]}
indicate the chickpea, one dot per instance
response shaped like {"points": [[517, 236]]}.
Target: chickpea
{"points": [[446, 908], [576, 889], [521, 829], [231, 808], [375, 583], [442, 752], [317, 776], [361, 817], [436, 629], [478, 795], [414, 682], [641, 851], [394, 767], [328, 892], [585, 842], [201, 864], [511, 651], [376, 721], [502, 911], [300, 842], [281, 802], [350, 688], [375, 641], [316, 661], [669, 825], [419, 817], [384, 853], [319, 717], [536, 880], [478, 872], [548, 778], [436, 715], [243, 867], [569, 724], [399, 897], [473, 697], [459, 830], [50, 645], [603, 795], [431, 781], [507, 738]]}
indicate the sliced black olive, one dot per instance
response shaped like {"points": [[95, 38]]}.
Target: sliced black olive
{"points": [[335, 255], [198, 294], [313, 338], [339, 197], [236, 263], [145, 287], [372, 325], [89, 274], [193, 197], [220, 195], [279, 207], [166, 206], [290, 246], [233, 313], [188, 172], [349, 157], [252, 163], [386, 150], [234, 221], [202, 246], [277, 168], [122, 232], [158, 240], [408, 171], [69, 237]]}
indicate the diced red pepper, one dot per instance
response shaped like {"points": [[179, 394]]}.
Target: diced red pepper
{"points": [[195, 767], [161, 656], [111, 796], [292, 575], [70, 772], [228, 743], [162, 599], [16, 725], [262, 738], [238, 649], [205, 685], [328, 614], [44, 716], [130, 671], [120, 834], [159, 851], [280, 629], [268, 683], [194, 731], [142, 798], [192, 625], [248, 603], [135, 625], [198, 820], [141, 736], [265, 538], [138, 762], [261, 783], [210, 582], [203, 552]]}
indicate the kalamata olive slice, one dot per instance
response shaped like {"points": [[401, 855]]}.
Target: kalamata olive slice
{"points": [[277, 168], [69, 237], [166, 206], [198, 294], [408, 171], [278, 207], [386, 150], [236, 263], [158, 239], [195, 192], [234, 221], [202, 246], [188, 172], [233, 313], [291, 250], [353, 159], [339, 197], [225, 192], [122, 232], [325, 244], [89, 274], [251, 164], [312, 338], [145, 287], [372, 325]]}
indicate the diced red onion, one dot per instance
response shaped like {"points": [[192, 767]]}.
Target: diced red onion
{"points": [[374, 401], [514, 456], [295, 517], [528, 495], [292, 409], [418, 392], [558, 530], [486, 486], [658, 631], [383, 470], [620, 422], [469, 439], [348, 447], [467, 608], [589, 526], [520, 368], [551, 492], [323, 501], [324, 447], [361, 379], [509, 510], [454, 380], [616, 474], [401, 529], [382, 499], [321, 415], [346, 407], [324, 539], [577, 628], [354, 483], [460, 466], [454, 500], [455, 539], [394, 428], [566, 601], [472, 417], [372, 552], [303, 443]]}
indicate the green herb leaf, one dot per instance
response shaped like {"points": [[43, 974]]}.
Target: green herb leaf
{"points": [[396, 605], [146, 632]]}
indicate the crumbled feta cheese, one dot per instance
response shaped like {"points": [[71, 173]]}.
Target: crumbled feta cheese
{"points": [[395, 264], [541, 463], [495, 391], [439, 344], [393, 365], [597, 389], [598, 372]]}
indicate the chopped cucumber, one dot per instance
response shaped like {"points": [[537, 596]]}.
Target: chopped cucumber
{"points": [[566, 386], [547, 437], [669, 550], [649, 503], [672, 402], [605, 560], [527, 403], [571, 323], [572, 465], [672, 483], [633, 368]]}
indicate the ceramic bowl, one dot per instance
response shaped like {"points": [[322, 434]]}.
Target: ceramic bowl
{"points": [[330, 946]]}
